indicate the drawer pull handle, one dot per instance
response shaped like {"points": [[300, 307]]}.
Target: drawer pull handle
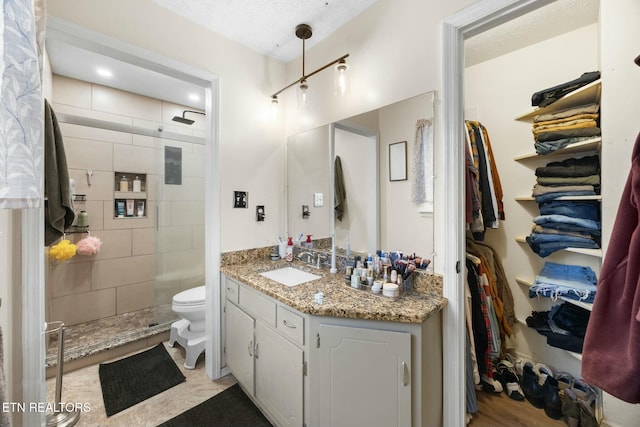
{"points": [[250, 347], [289, 325], [230, 290], [405, 373]]}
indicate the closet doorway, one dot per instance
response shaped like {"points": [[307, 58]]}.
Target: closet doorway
{"points": [[470, 22]]}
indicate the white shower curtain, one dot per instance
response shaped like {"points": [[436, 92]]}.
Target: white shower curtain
{"points": [[21, 103]]}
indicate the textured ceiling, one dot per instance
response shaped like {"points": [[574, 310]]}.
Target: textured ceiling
{"points": [[268, 26], [556, 18]]}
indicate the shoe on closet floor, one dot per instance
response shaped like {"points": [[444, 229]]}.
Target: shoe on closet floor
{"points": [[530, 386], [570, 408], [506, 374], [491, 385], [552, 402], [543, 372]]}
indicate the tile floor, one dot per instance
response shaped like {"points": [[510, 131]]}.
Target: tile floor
{"points": [[83, 387]]}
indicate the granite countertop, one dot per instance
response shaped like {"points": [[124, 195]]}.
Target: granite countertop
{"points": [[341, 300]]}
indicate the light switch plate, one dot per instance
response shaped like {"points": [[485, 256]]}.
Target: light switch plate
{"points": [[240, 199], [318, 200]]}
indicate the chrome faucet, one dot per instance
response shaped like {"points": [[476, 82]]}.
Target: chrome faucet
{"points": [[309, 256], [309, 259], [319, 260]]}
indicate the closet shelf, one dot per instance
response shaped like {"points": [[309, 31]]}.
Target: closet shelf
{"points": [[529, 283], [588, 94], [583, 251], [590, 145], [532, 199]]}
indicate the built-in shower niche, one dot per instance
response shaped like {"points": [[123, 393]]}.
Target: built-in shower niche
{"points": [[130, 195]]}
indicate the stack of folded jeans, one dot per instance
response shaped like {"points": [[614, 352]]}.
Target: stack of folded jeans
{"points": [[566, 223], [557, 130], [574, 282], [564, 326]]}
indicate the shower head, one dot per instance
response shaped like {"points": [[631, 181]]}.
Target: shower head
{"points": [[183, 119]]}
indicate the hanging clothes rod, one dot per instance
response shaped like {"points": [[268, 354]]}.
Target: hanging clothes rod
{"points": [[157, 132]]}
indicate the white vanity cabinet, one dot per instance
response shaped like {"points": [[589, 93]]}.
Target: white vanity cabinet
{"points": [[326, 371], [268, 366], [365, 377]]}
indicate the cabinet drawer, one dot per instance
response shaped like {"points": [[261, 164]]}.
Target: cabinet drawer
{"points": [[290, 325], [258, 306], [231, 290]]}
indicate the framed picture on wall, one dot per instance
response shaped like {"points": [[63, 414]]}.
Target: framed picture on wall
{"points": [[398, 161]]}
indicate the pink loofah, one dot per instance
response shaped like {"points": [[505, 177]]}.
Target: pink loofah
{"points": [[89, 246]]}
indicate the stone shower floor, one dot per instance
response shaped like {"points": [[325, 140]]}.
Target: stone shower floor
{"points": [[87, 339]]}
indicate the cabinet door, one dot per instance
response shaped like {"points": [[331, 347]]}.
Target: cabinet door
{"points": [[365, 377], [240, 346], [279, 378]]}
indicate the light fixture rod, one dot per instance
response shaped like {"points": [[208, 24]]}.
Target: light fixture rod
{"points": [[311, 73]]}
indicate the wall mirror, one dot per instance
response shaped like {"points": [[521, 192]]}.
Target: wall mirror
{"points": [[351, 157]]}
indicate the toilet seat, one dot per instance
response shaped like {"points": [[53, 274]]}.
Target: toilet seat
{"points": [[190, 297]]}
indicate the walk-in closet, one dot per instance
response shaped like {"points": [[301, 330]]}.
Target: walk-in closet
{"points": [[548, 213]]}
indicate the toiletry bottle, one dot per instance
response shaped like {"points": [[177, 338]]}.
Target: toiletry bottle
{"points": [[289, 252], [137, 185], [309, 243], [124, 183], [83, 219]]}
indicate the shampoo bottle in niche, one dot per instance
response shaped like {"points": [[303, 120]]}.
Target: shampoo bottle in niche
{"points": [[289, 251], [137, 185], [124, 184]]}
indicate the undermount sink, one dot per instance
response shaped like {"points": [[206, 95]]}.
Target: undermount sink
{"points": [[290, 276]]}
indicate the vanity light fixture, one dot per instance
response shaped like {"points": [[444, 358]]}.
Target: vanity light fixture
{"points": [[303, 32]]}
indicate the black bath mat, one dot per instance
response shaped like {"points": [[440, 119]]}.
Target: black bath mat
{"points": [[231, 408], [133, 379]]}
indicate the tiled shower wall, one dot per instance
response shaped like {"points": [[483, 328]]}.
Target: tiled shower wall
{"points": [[143, 261]]}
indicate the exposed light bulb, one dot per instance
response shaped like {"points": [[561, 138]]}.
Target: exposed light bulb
{"points": [[303, 94], [342, 78], [274, 107]]}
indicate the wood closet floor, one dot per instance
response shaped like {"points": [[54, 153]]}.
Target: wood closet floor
{"points": [[498, 410]]}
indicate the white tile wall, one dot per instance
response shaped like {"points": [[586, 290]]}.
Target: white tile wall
{"points": [[86, 154]]}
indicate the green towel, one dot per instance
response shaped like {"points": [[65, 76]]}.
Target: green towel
{"points": [[58, 206], [340, 193]]}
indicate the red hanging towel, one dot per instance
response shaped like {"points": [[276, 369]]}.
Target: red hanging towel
{"points": [[611, 354]]}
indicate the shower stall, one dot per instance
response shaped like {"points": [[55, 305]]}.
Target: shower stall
{"points": [[139, 177]]}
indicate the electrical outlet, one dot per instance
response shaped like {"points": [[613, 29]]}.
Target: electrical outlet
{"points": [[318, 200], [260, 213], [240, 199]]}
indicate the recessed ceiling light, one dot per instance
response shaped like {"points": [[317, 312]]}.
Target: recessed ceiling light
{"points": [[103, 72], [194, 97]]}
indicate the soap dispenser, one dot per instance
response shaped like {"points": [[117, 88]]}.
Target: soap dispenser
{"points": [[309, 243], [289, 252]]}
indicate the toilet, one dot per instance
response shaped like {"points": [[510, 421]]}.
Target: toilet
{"points": [[189, 331]]}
